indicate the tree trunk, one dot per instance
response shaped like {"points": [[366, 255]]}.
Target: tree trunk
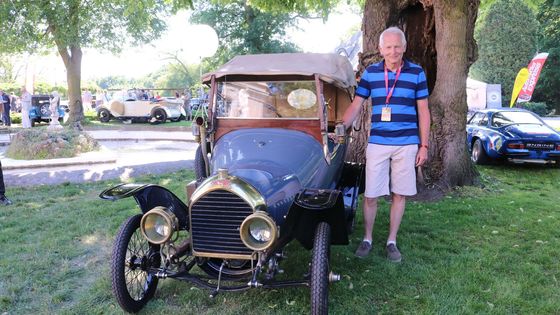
{"points": [[440, 38], [73, 63]]}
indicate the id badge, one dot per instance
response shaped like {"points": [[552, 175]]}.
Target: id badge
{"points": [[386, 113]]}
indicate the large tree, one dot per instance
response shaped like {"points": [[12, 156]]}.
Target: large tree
{"points": [[71, 25], [507, 39], [440, 38]]}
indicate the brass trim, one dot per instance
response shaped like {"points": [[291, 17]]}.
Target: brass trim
{"points": [[245, 234], [222, 256], [232, 184], [236, 186]]}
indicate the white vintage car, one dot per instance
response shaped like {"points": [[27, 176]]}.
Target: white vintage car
{"points": [[125, 106]]}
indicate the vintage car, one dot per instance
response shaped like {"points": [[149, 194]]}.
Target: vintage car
{"points": [[270, 169], [40, 109], [125, 106], [511, 134]]}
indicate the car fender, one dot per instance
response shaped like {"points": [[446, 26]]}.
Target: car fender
{"points": [[312, 206], [149, 196]]}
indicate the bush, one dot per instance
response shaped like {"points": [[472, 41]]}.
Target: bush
{"points": [[15, 118], [537, 108], [39, 144]]}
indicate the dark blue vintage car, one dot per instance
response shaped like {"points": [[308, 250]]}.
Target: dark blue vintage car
{"points": [[511, 134], [270, 169]]}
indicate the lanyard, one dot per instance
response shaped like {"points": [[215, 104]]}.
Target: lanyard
{"points": [[390, 93]]}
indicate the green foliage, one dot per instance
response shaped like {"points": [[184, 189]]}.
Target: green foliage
{"points": [[32, 25], [548, 87], [15, 118], [244, 29], [40, 88], [507, 40], [537, 108], [39, 143]]}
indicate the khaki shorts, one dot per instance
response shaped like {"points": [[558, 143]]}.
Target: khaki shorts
{"points": [[398, 162]]}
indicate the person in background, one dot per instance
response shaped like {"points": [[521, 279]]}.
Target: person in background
{"points": [[14, 103], [6, 108], [98, 98], [3, 199], [25, 107], [87, 97], [399, 133]]}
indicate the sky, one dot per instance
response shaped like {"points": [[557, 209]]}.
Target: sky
{"points": [[192, 41]]}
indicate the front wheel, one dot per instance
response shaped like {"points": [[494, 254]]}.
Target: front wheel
{"points": [[104, 115], [320, 270], [132, 283]]}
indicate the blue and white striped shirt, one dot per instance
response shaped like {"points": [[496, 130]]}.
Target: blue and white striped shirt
{"points": [[411, 86]]}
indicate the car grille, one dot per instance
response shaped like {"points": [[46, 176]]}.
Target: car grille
{"points": [[215, 222], [539, 146]]}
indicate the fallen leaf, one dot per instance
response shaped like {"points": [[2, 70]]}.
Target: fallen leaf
{"points": [[351, 286], [273, 306], [291, 302], [495, 232], [539, 242]]}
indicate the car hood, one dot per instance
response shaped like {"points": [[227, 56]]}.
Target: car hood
{"points": [[534, 131]]}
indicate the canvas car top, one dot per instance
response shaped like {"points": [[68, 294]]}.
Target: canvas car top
{"points": [[331, 68]]}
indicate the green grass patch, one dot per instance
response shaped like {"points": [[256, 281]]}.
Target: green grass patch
{"points": [[491, 250], [40, 143]]}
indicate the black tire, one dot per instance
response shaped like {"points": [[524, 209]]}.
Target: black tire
{"points": [[478, 154], [199, 165], [159, 116], [177, 119], [132, 285], [33, 121], [320, 270], [104, 115]]}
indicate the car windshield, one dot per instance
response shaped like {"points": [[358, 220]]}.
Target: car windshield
{"points": [[278, 99], [504, 118]]}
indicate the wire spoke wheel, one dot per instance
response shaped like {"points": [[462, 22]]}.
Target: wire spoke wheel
{"points": [[132, 283]]}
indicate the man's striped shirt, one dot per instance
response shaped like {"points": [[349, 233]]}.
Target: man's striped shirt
{"points": [[411, 86]]}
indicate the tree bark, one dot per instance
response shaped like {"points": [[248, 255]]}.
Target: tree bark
{"points": [[73, 63], [440, 38]]}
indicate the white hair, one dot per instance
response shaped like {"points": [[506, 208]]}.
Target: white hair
{"points": [[393, 30]]}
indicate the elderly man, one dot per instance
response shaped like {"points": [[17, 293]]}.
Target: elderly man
{"points": [[399, 133]]}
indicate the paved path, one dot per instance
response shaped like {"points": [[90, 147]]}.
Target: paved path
{"points": [[123, 154]]}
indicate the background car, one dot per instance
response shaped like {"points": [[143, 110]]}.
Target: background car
{"points": [[124, 105], [511, 134], [40, 109]]}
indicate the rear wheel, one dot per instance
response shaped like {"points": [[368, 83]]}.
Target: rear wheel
{"points": [[478, 154], [132, 284], [159, 116], [104, 115], [320, 269]]}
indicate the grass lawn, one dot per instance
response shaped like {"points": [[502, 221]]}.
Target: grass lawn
{"points": [[492, 250]]}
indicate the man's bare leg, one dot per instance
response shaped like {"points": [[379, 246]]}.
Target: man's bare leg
{"points": [[370, 211]]}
